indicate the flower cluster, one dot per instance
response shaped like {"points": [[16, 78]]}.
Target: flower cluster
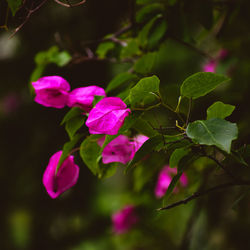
{"points": [[105, 118], [164, 179]]}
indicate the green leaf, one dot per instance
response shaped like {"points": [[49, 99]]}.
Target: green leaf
{"points": [[74, 112], [67, 148], [73, 125], [145, 32], [177, 155], [145, 92], [97, 98], [130, 50], [201, 83], [14, 5], [146, 63], [157, 33], [148, 11], [119, 80], [89, 151], [103, 49], [215, 132], [144, 150], [144, 128], [43, 58], [219, 110], [183, 164]]}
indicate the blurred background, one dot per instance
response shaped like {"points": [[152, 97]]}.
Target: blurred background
{"points": [[30, 133]]}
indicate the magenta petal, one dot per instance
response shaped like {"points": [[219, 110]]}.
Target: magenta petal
{"points": [[124, 219], [51, 91], [210, 66], [83, 97], [66, 177], [118, 150], [139, 140], [107, 116]]}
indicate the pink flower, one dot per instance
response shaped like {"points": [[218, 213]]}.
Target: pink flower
{"points": [[210, 66], [107, 116], [164, 180], [121, 149], [65, 178], [83, 97], [124, 219], [51, 91]]}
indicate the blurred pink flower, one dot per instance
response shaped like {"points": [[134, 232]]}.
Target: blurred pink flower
{"points": [[51, 91], [107, 116], [10, 103], [164, 180], [65, 178], [210, 66], [124, 219], [83, 97]]}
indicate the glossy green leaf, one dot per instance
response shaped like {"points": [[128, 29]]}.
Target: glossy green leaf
{"points": [[219, 110], [177, 155], [148, 11], [74, 124], [67, 148], [215, 132], [14, 5], [144, 150], [104, 48], [119, 80], [145, 92], [146, 63], [201, 83], [89, 151]]}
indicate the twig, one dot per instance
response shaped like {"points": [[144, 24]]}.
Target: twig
{"points": [[111, 38], [189, 111], [202, 193], [199, 51], [30, 12], [223, 167], [70, 5]]}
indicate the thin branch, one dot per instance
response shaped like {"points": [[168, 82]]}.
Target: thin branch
{"points": [[70, 5], [199, 51], [111, 38], [202, 193], [189, 111], [30, 12], [223, 167]]}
